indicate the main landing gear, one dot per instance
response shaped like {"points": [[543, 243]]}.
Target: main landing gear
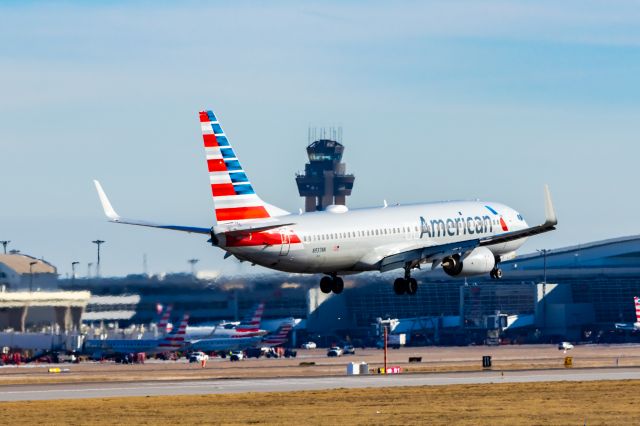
{"points": [[407, 284], [331, 283], [496, 273]]}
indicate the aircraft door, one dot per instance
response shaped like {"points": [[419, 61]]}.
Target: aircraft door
{"points": [[286, 243]]}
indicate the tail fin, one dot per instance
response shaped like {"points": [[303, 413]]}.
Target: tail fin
{"points": [[164, 320], [252, 323], [233, 196], [175, 340], [280, 336], [636, 301]]}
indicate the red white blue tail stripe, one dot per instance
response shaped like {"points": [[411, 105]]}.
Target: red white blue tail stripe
{"points": [[175, 341], [636, 301], [252, 324], [280, 336], [164, 320], [233, 196]]}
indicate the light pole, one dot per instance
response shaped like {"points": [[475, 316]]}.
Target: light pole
{"points": [[193, 262], [4, 245], [73, 271], [98, 243], [31, 276]]}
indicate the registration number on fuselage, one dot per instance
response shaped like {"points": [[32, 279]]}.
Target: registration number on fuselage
{"points": [[319, 250]]}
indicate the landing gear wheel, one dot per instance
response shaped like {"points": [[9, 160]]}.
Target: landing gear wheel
{"points": [[412, 286], [326, 285], [496, 273], [399, 286], [338, 285]]}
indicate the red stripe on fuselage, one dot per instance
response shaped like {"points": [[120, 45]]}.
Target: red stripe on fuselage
{"points": [[241, 213], [265, 238]]}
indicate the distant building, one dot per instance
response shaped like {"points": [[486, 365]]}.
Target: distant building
{"points": [[324, 181], [23, 272], [53, 310]]}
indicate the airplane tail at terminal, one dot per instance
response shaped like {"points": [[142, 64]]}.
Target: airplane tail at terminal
{"points": [[175, 340], [164, 320], [636, 301], [279, 337], [233, 195], [252, 322]]}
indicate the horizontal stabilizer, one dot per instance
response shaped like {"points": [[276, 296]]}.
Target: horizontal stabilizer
{"points": [[111, 214]]}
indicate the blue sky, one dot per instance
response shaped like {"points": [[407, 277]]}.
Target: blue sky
{"points": [[438, 100]]}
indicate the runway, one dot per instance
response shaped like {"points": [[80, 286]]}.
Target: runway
{"points": [[201, 387]]}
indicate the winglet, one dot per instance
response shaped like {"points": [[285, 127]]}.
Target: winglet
{"points": [[549, 211], [106, 205]]}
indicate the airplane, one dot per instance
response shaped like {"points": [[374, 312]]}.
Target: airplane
{"points": [[632, 326], [249, 326], [465, 238], [172, 342], [220, 343]]}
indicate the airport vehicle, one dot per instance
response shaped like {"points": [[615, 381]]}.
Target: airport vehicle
{"points": [[236, 356], [107, 348], [349, 350], [632, 326], [308, 345], [465, 238], [565, 346], [198, 357], [335, 351]]}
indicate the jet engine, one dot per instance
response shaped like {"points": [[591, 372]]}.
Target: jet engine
{"points": [[480, 261]]}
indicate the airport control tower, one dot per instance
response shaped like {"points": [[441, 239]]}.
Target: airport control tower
{"points": [[324, 181]]}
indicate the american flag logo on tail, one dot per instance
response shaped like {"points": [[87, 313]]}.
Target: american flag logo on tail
{"points": [[175, 340], [233, 196], [164, 320], [252, 323], [280, 335]]}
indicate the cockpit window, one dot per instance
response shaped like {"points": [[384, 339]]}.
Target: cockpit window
{"points": [[520, 217]]}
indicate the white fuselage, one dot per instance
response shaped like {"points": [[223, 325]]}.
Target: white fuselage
{"points": [[341, 241]]}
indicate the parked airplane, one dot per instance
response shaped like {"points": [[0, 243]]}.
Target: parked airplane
{"points": [[463, 237], [635, 325], [249, 326], [220, 343], [109, 347]]}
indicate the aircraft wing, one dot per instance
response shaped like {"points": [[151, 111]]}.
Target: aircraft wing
{"points": [[549, 225], [440, 251], [436, 253]]}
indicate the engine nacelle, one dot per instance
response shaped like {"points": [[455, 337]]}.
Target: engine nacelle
{"points": [[480, 261]]}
